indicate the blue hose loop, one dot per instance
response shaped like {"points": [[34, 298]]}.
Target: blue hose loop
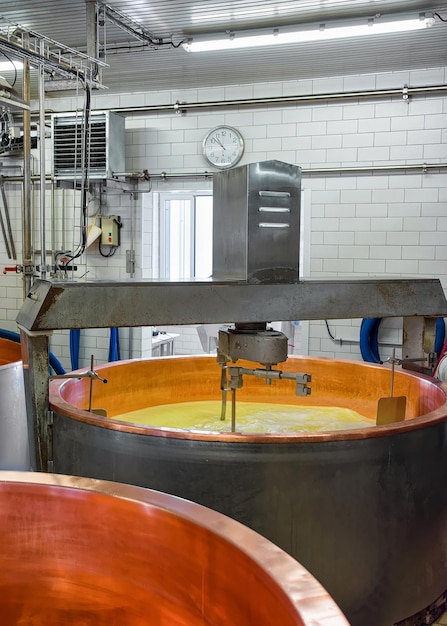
{"points": [[440, 335], [114, 345], [369, 333], [55, 364], [369, 343], [9, 334], [75, 340]]}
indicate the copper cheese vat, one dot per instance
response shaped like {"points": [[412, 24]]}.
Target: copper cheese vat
{"points": [[14, 446], [364, 510], [81, 551]]}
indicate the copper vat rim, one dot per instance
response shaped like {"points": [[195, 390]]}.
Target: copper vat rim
{"points": [[306, 597], [15, 347], [437, 416]]}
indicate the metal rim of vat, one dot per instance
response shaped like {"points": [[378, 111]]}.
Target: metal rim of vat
{"points": [[436, 416], [306, 597]]}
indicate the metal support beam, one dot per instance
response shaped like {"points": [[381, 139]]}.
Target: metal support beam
{"points": [[52, 305], [418, 343], [35, 372]]}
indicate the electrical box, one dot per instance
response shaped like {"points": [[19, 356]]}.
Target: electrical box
{"points": [[110, 230]]}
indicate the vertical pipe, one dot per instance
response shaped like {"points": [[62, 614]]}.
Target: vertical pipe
{"points": [[63, 226], [133, 208], [26, 206], [43, 248], [53, 220]]}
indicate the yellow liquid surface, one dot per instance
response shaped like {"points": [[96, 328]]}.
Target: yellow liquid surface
{"points": [[251, 417]]}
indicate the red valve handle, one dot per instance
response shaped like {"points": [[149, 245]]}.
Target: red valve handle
{"points": [[15, 269]]}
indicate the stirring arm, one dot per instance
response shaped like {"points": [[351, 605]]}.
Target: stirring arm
{"points": [[235, 381]]}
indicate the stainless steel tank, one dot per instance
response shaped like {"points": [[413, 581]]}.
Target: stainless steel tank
{"points": [[14, 445], [365, 511], [96, 553]]}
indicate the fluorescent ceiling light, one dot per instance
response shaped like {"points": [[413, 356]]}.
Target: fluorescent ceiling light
{"points": [[8, 66], [323, 32]]}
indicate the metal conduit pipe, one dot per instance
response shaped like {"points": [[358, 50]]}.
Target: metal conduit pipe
{"points": [[19, 179], [145, 175], [421, 168], [405, 92], [26, 205], [178, 107], [43, 259]]}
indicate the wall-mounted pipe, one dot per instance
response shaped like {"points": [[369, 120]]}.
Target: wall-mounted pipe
{"points": [[144, 175], [420, 168], [404, 92]]}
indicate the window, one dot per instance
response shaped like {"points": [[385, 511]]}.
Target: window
{"points": [[186, 235]]}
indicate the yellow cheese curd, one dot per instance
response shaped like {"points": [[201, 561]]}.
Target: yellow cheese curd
{"points": [[251, 417]]}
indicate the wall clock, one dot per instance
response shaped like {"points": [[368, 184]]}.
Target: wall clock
{"points": [[223, 147]]}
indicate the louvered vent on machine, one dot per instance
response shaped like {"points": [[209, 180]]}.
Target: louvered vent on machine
{"points": [[106, 145]]}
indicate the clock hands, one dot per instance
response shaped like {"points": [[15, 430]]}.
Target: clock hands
{"points": [[219, 142]]}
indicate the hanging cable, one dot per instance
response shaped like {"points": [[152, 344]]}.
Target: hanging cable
{"points": [[12, 63], [6, 129], [112, 250], [85, 163]]}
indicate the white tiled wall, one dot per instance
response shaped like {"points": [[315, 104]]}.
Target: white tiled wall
{"points": [[369, 224]]}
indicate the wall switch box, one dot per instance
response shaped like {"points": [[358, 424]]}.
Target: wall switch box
{"points": [[110, 230]]}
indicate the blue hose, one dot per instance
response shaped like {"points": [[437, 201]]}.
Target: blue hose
{"points": [[369, 333], [75, 338], [55, 364], [369, 344], [114, 345], [440, 335]]}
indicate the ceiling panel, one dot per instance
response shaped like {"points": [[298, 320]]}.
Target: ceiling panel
{"points": [[133, 66]]}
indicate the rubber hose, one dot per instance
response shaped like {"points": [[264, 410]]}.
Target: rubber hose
{"points": [[55, 364], [369, 343], [114, 345], [75, 337], [369, 338], [440, 335]]}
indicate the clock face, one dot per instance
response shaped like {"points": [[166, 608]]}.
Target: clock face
{"points": [[223, 147]]}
